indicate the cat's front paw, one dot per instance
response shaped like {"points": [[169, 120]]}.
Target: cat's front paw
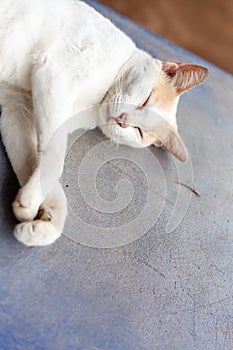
{"points": [[36, 233], [26, 204]]}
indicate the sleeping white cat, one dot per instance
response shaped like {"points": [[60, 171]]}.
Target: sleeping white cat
{"points": [[61, 57]]}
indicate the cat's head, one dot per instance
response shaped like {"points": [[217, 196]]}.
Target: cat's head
{"points": [[140, 107]]}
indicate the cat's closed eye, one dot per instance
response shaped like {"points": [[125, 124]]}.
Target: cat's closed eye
{"points": [[145, 103]]}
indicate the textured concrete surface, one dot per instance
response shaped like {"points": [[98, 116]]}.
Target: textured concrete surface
{"points": [[169, 289]]}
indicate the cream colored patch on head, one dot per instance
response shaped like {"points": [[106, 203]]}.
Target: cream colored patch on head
{"points": [[164, 94], [164, 97]]}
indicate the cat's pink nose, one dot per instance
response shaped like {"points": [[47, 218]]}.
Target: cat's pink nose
{"points": [[122, 120]]}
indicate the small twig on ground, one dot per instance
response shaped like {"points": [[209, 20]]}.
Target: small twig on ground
{"points": [[189, 188]]}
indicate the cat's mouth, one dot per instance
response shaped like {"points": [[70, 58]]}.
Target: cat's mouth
{"points": [[125, 126], [139, 131]]}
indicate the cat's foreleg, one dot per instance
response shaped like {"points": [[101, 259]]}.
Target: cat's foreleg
{"points": [[20, 140], [47, 171], [45, 192], [50, 107]]}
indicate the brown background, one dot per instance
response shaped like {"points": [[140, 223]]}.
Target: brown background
{"points": [[204, 27]]}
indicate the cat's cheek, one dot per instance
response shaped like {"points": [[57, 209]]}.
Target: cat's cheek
{"points": [[109, 131], [150, 139], [103, 114]]}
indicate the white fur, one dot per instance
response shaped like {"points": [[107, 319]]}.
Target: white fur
{"points": [[59, 58]]}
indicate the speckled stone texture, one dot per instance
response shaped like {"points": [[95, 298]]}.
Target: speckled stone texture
{"points": [[168, 289]]}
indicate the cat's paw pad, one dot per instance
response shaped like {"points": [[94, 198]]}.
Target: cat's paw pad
{"points": [[25, 205], [36, 233]]}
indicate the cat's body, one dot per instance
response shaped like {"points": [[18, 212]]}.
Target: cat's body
{"points": [[58, 58], [44, 33]]}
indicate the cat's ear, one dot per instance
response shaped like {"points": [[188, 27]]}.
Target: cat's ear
{"points": [[184, 76], [169, 139]]}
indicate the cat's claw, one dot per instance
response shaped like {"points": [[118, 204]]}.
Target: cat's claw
{"points": [[36, 233], [25, 207]]}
